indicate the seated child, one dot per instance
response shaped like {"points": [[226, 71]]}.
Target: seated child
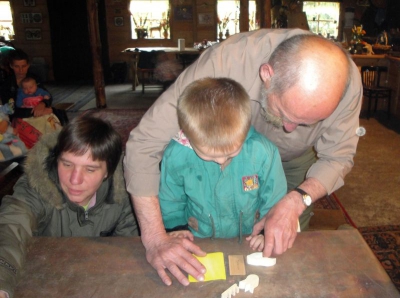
{"points": [[8, 108], [29, 95], [219, 176], [31, 129], [10, 145]]}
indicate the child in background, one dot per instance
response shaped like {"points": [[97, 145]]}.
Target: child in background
{"points": [[31, 129], [219, 176], [8, 108], [29, 95]]}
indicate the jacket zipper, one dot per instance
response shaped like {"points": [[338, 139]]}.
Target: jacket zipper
{"points": [[240, 226], [86, 214], [212, 226]]}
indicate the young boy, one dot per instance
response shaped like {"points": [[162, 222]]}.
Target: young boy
{"points": [[219, 176], [29, 95]]}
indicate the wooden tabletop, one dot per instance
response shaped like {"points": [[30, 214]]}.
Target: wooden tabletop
{"points": [[321, 264]]}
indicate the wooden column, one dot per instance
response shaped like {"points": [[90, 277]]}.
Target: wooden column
{"points": [[95, 45], [244, 16], [266, 17]]}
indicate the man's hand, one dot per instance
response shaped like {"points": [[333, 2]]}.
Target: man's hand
{"points": [[280, 225], [175, 254], [164, 251]]}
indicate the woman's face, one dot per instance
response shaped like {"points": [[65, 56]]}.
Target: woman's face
{"points": [[80, 176], [20, 68]]}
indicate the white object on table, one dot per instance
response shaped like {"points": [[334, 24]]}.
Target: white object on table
{"points": [[250, 283], [181, 44], [257, 259], [231, 291]]}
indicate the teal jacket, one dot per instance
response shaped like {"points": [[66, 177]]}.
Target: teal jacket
{"points": [[220, 203]]}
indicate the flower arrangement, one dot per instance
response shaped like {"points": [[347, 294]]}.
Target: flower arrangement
{"points": [[165, 22], [140, 23], [358, 33], [222, 23]]}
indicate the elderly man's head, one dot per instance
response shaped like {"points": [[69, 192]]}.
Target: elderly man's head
{"points": [[304, 81]]}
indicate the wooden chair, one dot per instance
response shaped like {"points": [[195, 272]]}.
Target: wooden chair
{"points": [[146, 65], [371, 76]]}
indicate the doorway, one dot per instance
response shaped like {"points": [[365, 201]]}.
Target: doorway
{"points": [[72, 58]]}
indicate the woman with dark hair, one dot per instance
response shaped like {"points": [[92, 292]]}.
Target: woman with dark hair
{"points": [[73, 186]]}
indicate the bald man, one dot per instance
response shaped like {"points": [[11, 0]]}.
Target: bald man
{"points": [[306, 98]]}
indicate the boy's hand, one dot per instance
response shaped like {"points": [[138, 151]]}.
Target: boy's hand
{"points": [[256, 242], [182, 234]]}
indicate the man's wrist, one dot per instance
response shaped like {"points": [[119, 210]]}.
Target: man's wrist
{"points": [[297, 201], [306, 198]]}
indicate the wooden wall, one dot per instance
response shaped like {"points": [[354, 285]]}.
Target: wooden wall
{"points": [[119, 37], [37, 45]]}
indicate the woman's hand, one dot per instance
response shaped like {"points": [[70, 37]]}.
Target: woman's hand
{"points": [[41, 110]]}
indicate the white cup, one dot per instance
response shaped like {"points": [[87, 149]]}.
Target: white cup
{"points": [[181, 44]]}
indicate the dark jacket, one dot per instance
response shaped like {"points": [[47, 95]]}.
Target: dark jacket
{"points": [[38, 207]]}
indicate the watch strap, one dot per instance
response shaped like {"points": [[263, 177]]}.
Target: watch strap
{"points": [[305, 196], [300, 191]]}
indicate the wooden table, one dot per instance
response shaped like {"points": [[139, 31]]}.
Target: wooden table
{"points": [[321, 264], [134, 54]]}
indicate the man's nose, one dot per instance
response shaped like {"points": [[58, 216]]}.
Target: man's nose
{"points": [[289, 127]]}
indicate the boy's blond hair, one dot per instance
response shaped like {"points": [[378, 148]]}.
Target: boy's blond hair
{"points": [[215, 113]]}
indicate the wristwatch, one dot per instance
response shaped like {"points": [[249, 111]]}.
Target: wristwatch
{"points": [[306, 197]]}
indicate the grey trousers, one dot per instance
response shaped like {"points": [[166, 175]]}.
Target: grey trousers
{"points": [[295, 171]]}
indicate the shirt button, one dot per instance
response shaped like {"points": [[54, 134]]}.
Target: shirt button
{"points": [[360, 131]]}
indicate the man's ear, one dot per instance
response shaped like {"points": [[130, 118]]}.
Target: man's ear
{"points": [[266, 73]]}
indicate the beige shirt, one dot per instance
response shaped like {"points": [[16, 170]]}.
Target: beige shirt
{"points": [[240, 57]]}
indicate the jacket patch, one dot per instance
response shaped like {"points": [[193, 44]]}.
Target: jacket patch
{"points": [[250, 182], [193, 223], [7, 265]]}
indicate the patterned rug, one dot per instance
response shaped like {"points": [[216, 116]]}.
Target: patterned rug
{"points": [[384, 241], [122, 120]]}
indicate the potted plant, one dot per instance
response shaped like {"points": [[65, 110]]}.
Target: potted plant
{"points": [[140, 24]]}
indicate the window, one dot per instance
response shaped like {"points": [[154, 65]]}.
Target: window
{"points": [[6, 23], [323, 17], [150, 16], [229, 14]]}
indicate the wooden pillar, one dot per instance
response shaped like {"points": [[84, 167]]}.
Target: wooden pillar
{"points": [[95, 45], [244, 16], [266, 16]]}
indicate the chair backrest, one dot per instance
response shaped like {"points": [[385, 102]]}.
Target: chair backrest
{"points": [[371, 75], [148, 60]]}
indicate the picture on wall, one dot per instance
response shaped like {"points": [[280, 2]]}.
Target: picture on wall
{"points": [[183, 13], [33, 34], [205, 19], [119, 21], [29, 3]]}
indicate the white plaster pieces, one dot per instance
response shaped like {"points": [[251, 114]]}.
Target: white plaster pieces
{"points": [[257, 259], [248, 285], [231, 291]]}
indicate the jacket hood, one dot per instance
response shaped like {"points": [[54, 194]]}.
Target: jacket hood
{"points": [[45, 183]]}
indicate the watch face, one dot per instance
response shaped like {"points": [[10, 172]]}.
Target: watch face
{"points": [[307, 200]]}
